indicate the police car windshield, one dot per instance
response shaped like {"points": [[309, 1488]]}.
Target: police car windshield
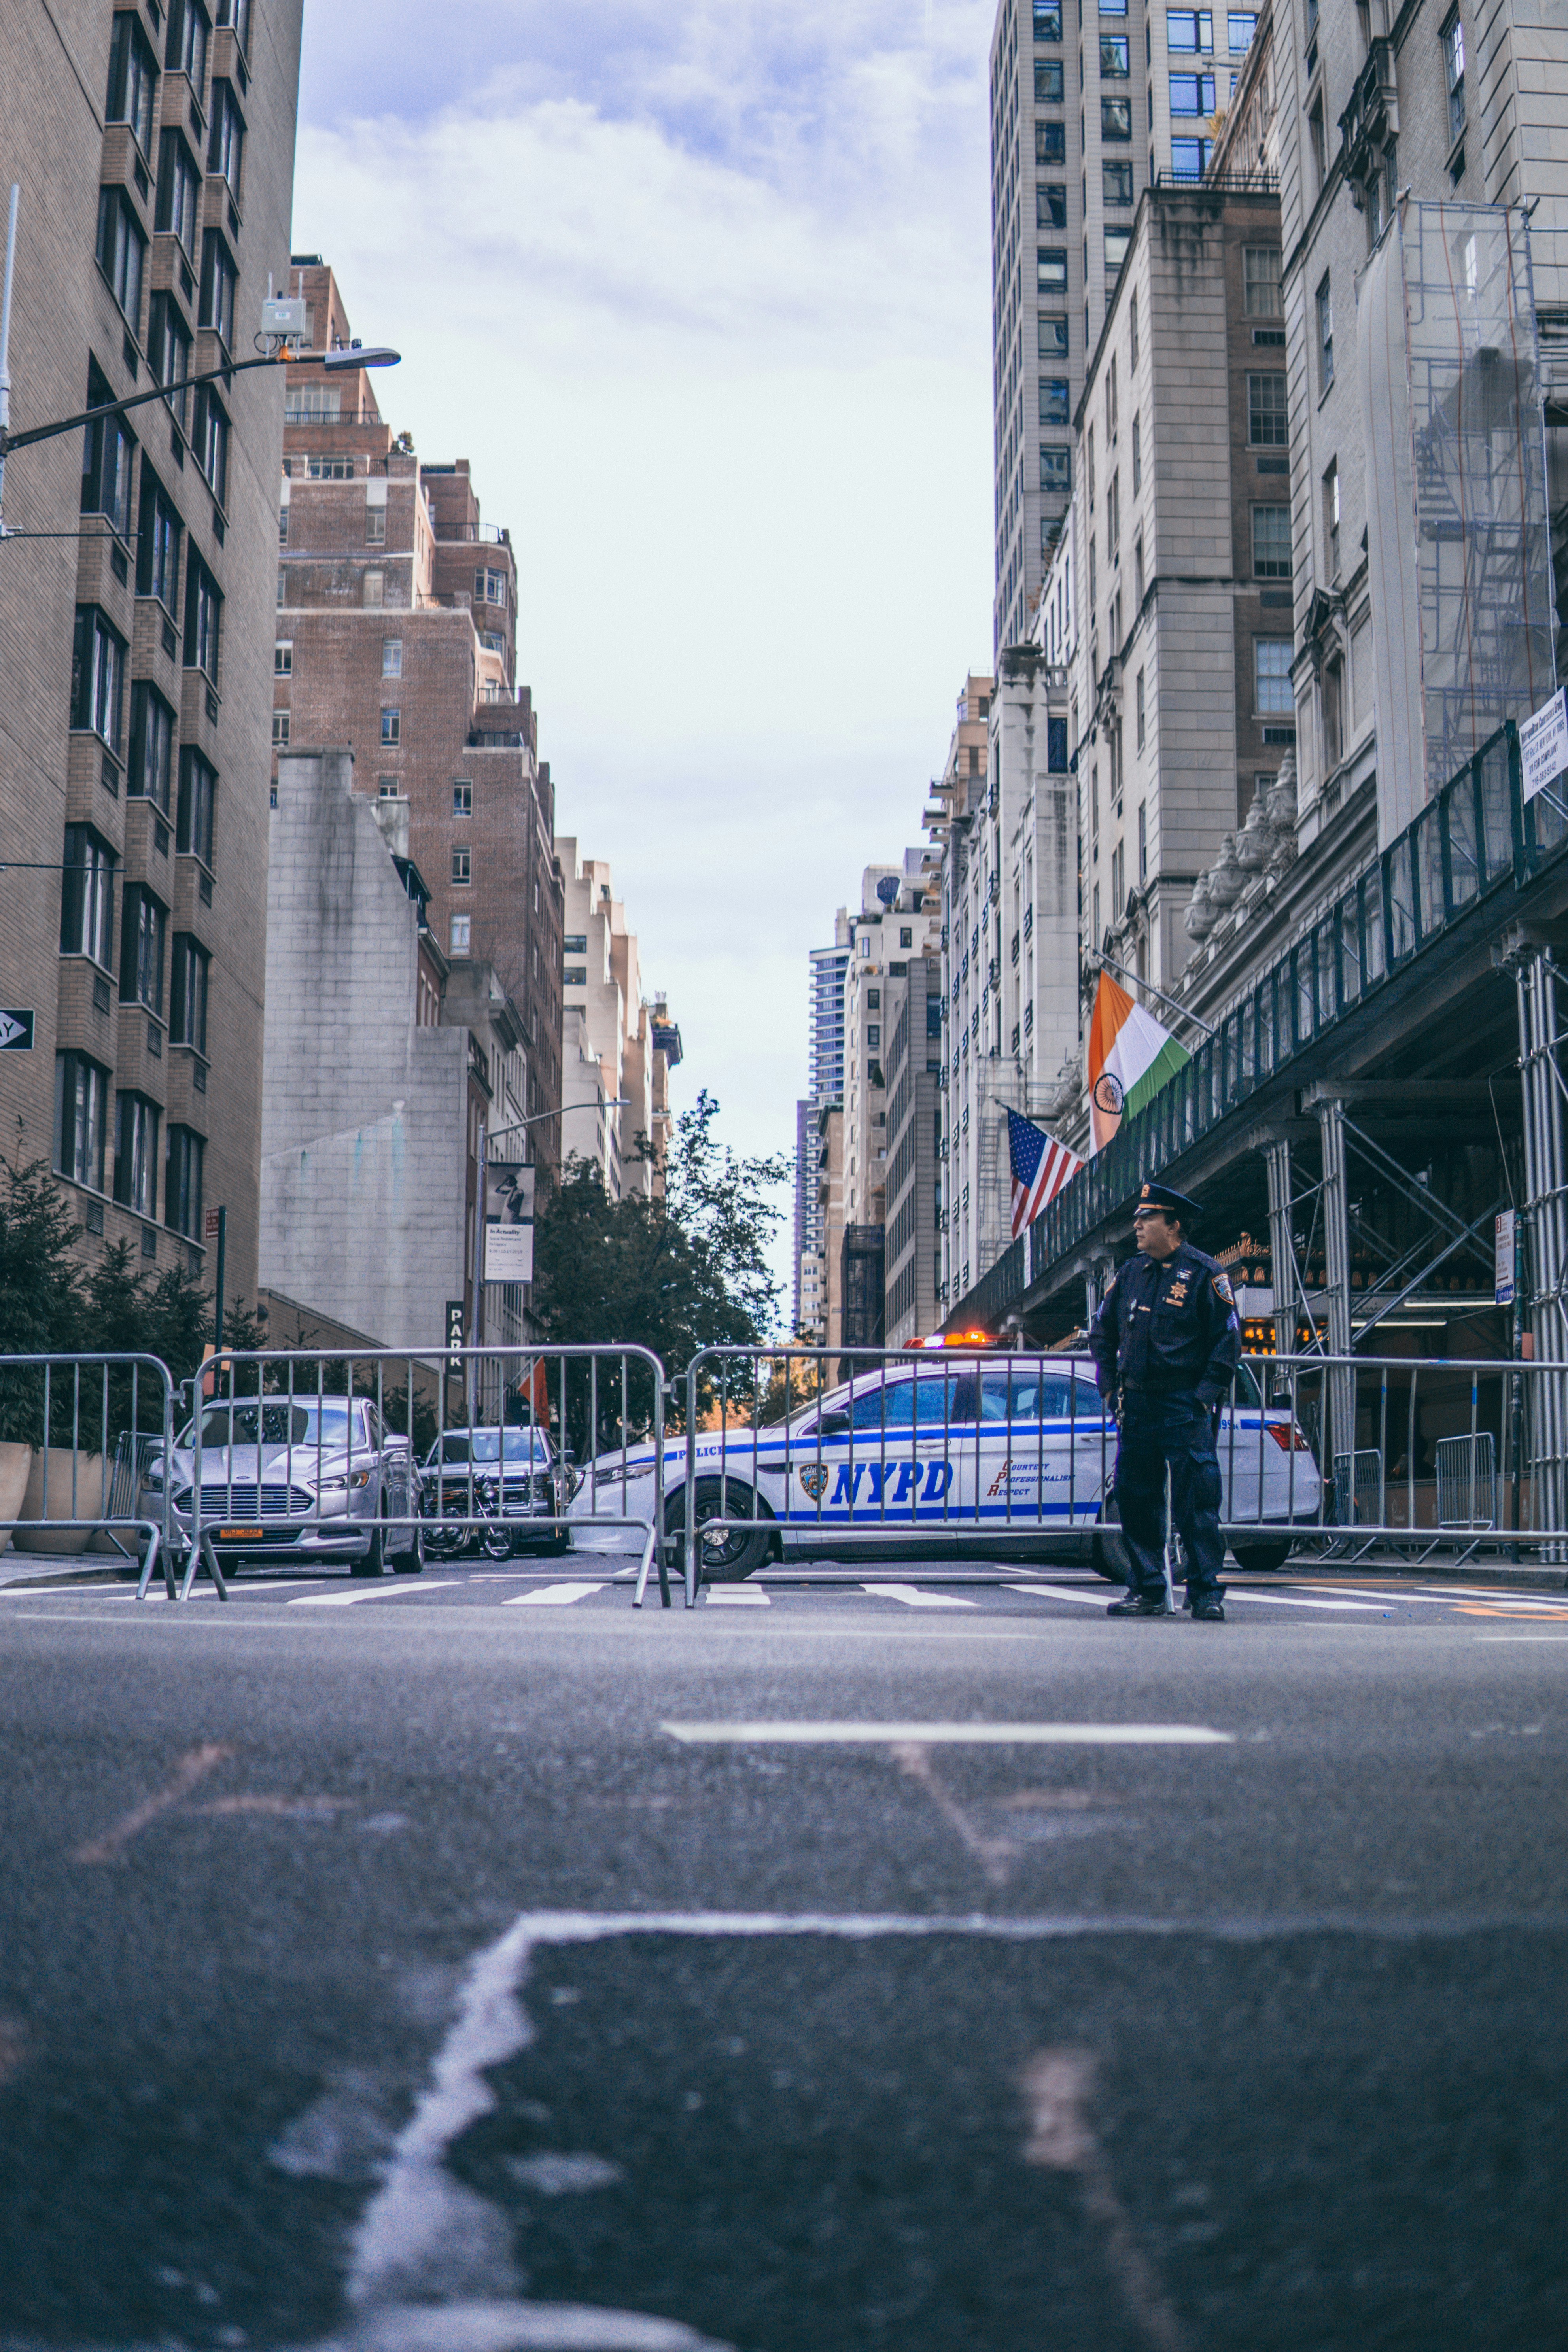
{"points": [[485, 1445]]}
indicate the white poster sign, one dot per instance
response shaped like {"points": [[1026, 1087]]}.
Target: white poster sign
{"points": [[509, 1221], [508, 1252], [1544, 745]]}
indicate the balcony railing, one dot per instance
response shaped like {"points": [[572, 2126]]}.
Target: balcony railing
{"points": [[1476, 837]]}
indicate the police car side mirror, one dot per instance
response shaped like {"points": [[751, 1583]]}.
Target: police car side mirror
{"points": [[833, 1424]]}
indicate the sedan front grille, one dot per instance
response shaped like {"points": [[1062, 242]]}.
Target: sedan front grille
{"points": [[247, 1501]]}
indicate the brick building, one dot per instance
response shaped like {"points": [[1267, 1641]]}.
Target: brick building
{"points": [[396, 637], [156, 154]]}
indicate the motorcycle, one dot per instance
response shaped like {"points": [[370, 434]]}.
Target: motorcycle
{"points": [[457, 1515]]}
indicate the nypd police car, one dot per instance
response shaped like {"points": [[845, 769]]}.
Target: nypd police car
{"points": [[920, 1451]]}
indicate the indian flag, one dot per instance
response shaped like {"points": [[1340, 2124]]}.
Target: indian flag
{"points": [[1130, 1059]]}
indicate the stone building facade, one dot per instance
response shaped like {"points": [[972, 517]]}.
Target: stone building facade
{"points": [[154, 149], [618, 1048], [384, 1063], [397, 636]]}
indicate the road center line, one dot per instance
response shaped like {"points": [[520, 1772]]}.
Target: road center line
{"points": [[949, 1735]]}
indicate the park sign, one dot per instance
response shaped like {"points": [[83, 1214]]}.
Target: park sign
{"points": [[1544, 745]]}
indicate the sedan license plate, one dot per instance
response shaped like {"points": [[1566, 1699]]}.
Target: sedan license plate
{"points": [[240, 1535]]}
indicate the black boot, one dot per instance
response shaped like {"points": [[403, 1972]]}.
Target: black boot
{"points": [[1143, 1604]]}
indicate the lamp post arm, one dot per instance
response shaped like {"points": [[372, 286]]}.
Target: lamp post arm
{"points": [[137, 400]]}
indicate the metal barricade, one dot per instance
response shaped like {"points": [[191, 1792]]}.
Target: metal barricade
{"points": [[1466, 1482], [1358, 1488], [76, 1429], [380, 1458]]}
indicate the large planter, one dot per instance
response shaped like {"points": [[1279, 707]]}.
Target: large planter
{"points": [[15, 1469], [94, 1482]]}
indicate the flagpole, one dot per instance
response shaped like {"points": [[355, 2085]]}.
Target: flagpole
{"points": [[1180, 1010]]}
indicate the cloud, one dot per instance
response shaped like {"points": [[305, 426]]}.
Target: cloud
{"points": [[703, 293]]}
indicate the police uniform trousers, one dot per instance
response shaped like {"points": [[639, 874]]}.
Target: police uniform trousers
{"points": [[1157, 1432]]}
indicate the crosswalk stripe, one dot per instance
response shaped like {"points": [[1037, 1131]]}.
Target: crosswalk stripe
{"points": [[553, 1596], [913, 1598], [371, 1592], [1291, 1600], [736, 1596], [1064, 1592]]}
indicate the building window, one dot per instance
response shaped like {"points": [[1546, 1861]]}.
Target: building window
{"points": [[1115, 57], [387, 788], [1050, 206], [1190, 158], [283, 657], [1138, 568], [312, 404], [1055, 405], [1057, 747], [462, 868], [1334, 713], [1325, 334], [458, 935], [575, 943], [1191, 93], [1331, 517], [392, 657], [81, 1097], [122, 253], [283, 523], [1049, 84], [1115, 118], [374, 590], [1240, 27], [211, 441], [195, 817], [391, 728], [141, 950], [1116, 241], [328, 467], [1271, 676], [1317, 142], [1453, 38], [574, 975], [182, 1183], [463, 805], [1271, 542], [1053, 334], [87, 897], [376, 526], [157, 544], [1113, 515], [906, 938], [1142, 835], [133, 78], [1190, 29], [489, 588], [219, 278], [107, 453], [1268, 413], [1051, 268], [281, 728], [179, 191], [1138, 701], [151, 764], [204, 610], [874, 998], [1260, 278], [873, 1035], [136, 1155], [225, 150], [188, 994], [1047, 20], [1057, 471], [237, 14], [1050, 145], [189, 28], [97, 677]]}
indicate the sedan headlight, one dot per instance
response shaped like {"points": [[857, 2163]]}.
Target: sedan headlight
{"points": [[351, 1483]]}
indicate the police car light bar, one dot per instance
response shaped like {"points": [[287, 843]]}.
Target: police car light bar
{"points": [[954, 1340]]}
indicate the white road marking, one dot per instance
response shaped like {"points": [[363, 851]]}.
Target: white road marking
{"points": [[371, 1592], [913, 1598], [951, 1735], [1497, 1592], [1064, 1592], [1289, 1600], [1521, 1637], [553, 1596], [736, 1596]]}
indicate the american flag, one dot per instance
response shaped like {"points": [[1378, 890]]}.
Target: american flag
{"points": [[1041, 1166]]}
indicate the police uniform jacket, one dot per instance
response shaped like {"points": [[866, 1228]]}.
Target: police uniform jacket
{"points": [[1168, 1330]]}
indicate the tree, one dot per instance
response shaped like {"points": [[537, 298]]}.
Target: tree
{"points": [[40, 1303], [674, 1275]]}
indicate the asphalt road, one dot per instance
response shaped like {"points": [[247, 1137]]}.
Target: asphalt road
{"points": [[473, 1963]]}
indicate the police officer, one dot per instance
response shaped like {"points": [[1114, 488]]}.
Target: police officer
{"points": [[1165, 1345]]}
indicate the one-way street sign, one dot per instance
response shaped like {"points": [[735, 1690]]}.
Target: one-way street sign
{"points": [[17, 1032]]}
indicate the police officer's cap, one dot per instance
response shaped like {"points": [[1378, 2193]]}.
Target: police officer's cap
{"points": [[1161, 1196]]}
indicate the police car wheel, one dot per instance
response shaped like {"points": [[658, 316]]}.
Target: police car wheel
{"points": [[738, 1552], [1258, 1559]]}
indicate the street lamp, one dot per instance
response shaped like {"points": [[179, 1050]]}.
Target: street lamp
{"points": [[352, 355], [622, 1102]]}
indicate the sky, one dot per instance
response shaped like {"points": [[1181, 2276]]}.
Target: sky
{"points": [[701, 288]]}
